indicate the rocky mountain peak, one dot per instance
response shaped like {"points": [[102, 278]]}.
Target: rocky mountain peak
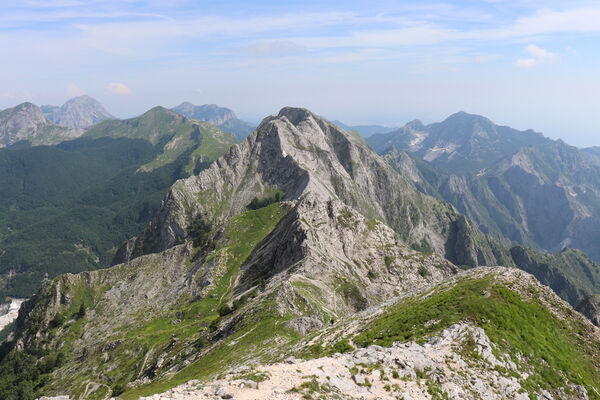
{"points": [[415, 124], [26, 122], [79, 112]]}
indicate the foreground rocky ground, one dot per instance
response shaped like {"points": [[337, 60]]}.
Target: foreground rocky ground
{"points": [[459, 363]]}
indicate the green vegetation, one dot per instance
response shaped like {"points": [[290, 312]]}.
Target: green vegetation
{"points": [[570, 273], [67, 208], [423, 246], [270, 198], [189, 323], [199, 230], [554, 347]]}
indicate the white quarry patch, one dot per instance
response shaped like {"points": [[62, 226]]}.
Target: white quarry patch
{"points": [[418, 138], [438, 151], [459, 362], [9, 312]]}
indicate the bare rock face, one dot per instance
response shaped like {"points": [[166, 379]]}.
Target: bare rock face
{"points": [[297, 152], [590, 307], [26, 122], [79, 112]]}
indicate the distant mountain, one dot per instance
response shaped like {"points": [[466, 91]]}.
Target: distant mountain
{"points": [[79, 112], [593, 154], [365, 130], [222, 117], [26, 123], [461, 143], [175, 133], [67, 208], [518, 186]]}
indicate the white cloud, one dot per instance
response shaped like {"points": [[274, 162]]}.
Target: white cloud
{"points": [[118, 88], [74, 90], [274, 47], [537, 55]]}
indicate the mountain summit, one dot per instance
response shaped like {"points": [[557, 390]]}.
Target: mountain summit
{"points": [[221, 117], [27, 123], [79, 112], [460, 142]]}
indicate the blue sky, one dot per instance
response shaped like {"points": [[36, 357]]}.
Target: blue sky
{"points": [[527, 64]]}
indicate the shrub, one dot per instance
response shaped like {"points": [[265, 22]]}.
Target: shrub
{"points": [[343, 346], [57, 321], [199, 230], [388, 260], [257, 203], [118, 389], [214, 325], [224, 309], [81, 312]]}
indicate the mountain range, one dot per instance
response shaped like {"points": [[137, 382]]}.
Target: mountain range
{"points": [[518, 186], [301, 246], [221, 117], [364, 130], [25, 124]]}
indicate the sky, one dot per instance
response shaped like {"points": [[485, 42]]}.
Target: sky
{"points": [[526, 64]]}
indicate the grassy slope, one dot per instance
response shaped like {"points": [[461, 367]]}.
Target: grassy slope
{"points": [[67, 208], [554, 347], [148, 334], [243, 233]]}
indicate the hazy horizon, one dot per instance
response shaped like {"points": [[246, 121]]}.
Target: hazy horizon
{"points": [[528, 65]]}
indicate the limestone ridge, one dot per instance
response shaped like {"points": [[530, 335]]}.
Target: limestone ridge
{"points": [[296, 152], [79, 112], [26, 123]]}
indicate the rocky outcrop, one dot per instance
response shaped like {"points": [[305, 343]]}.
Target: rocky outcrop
{"points": [[79, 112], [9, 312], [590, 307], [26, 123], [404, 370]]}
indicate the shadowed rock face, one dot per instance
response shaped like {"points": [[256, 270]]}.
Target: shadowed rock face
{"points": [[546, 196], [79, 112], [26, 123], [590, 307]]}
